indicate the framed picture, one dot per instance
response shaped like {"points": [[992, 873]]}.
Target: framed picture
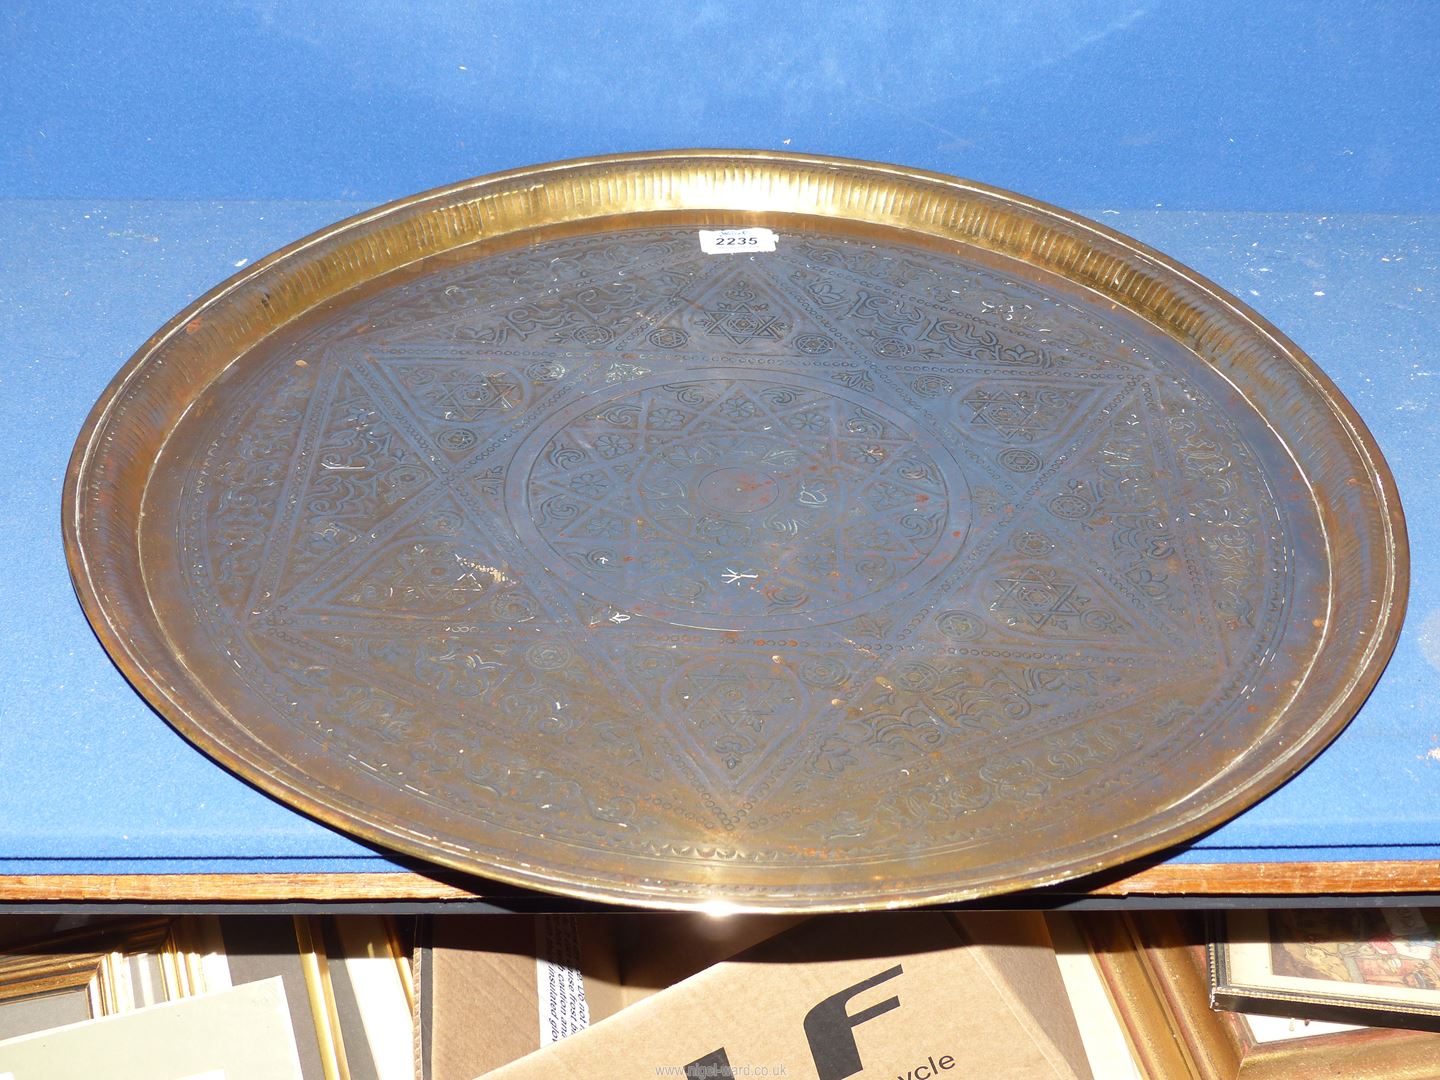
{"points": [[346, 979], [103, 969], [1154, 968], [1377, 966]]}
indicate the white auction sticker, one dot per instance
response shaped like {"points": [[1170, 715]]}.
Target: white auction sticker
{"points": [[728, 241]]}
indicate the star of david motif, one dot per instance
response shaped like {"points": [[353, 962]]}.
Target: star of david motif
{"points": [[742, 318], [1040, 597], [1016, 416], [462, 397]]}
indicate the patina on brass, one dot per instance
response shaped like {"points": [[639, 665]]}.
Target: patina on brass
{"points": [[958, 545]]}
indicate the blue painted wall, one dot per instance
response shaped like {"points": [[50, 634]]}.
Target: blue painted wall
{"points": [[1330, 105]]}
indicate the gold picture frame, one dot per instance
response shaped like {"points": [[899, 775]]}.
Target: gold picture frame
{"points": [[346, 978], [1154, 968], [1376, 966], [106, 968]]}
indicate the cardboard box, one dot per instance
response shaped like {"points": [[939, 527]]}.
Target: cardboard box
{"points": [[491, 990], [910, 995], [657, 951], [1018, 946]]}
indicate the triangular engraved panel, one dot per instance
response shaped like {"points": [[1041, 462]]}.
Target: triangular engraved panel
{"points": [[433, 571], [362, 472], [1039, 586], [876, 324], [333, 695], [900, 307], [246, 498], [1231, 524], [1020, 776], [535, 693], [461, 397], [486, 741], [941, 726], [735, 716], [742, 306], [1019, 424], [602, 311], [889, 326], [1119, 503]]}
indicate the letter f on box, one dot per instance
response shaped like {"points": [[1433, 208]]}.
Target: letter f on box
{"points": [[830, 1029]]}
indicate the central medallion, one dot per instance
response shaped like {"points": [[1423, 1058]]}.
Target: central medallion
{"points": [[738, 490], [730, 500]]}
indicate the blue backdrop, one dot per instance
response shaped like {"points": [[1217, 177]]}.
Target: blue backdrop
{"points": [[1224, 105]]}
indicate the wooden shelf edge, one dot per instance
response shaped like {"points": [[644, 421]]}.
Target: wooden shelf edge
{"points": [[1163, 880], [223, 888], [1273, 879]]}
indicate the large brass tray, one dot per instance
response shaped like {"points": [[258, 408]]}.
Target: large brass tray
{"points": [[956, 545]]}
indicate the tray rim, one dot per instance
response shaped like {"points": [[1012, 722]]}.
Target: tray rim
{"points": [[174, 710]]}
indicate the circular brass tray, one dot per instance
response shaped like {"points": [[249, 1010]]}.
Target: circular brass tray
{"points": [[958, 544]]}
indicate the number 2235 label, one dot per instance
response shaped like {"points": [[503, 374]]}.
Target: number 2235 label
{"points": [[725, 241]]}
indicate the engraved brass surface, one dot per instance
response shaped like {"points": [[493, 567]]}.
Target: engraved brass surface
{"points": [[958, 545]]}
